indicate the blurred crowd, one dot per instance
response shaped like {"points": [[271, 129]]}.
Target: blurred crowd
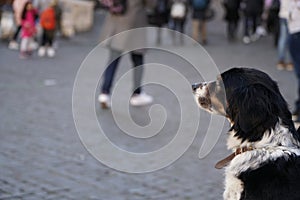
{"points": [[29, 18], [37, 22]]}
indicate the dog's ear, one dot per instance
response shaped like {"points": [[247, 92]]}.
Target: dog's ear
{"points": [[251, 110]]}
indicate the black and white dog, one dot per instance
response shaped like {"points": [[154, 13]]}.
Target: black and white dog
{"points": [[265, 164]]}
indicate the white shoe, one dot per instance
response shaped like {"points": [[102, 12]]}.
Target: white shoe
{"points": [[13, 45], [141, 99], [41, 51], [246, 40], [50, 52], [104, 100], [261, 31]]}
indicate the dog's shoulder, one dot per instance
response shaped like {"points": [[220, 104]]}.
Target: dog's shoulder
{"points": [[276, 179]]}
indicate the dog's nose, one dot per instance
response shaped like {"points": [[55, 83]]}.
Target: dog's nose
{"points": [[195, 86], [198, 85]]}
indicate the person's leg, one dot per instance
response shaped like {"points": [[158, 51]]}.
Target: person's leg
{"points": [[246, 25], [15, 37], [230, 29], [282, 41], [288, 58], [158, 36], [181, 30], [42, 49], [138, 61], [44, 38], [24, 47], [203, 32], [13, 44], [30, 46], [110, 71], [50, 49], [195, 25], [254, 19], [51, 36], [294, 43], [235, 27], [139, 98]]}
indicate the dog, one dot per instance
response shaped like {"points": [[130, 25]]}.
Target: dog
{"points": [[265, 163]]}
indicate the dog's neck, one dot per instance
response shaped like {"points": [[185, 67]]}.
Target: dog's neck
{"points": [[279, 136], [224, 162]]}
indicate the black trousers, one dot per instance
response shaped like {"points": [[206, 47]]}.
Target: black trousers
{"points": [[137, 59], [47, 37]]}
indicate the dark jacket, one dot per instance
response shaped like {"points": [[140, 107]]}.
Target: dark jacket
{"points": [[231, 9], [199, 13], [252, 7]]}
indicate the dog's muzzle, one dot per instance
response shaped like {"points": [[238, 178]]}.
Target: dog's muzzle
{"points": [[198, 85]]}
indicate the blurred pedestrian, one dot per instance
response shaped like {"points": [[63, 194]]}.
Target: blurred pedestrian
{"points": [[271, 18], [199, 10], [284, 57], [18, 7], [294, 45], [252, 10], [123, 17], [178, 13], [159, 16], [28, 17], [232, 17], [48, 23]]}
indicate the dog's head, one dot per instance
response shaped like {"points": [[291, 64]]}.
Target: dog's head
{"points": [[249, 98]]}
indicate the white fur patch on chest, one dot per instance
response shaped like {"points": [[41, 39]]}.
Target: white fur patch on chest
{"points": [[233, 187], [275, 144]]}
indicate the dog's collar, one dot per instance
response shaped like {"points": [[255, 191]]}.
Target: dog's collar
{"points": [[226, 161]]}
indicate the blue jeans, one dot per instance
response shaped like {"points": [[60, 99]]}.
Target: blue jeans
{"points": [[137, 59], [294, 50], [283, 42]]}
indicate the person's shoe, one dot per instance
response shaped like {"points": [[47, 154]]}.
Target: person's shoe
{"points": [[104, 100], [13, 45], [289, 67], [42, 52], [261, 31], [204, 42], [142, 99], [50, 52], [280, 65], [246, 40]]}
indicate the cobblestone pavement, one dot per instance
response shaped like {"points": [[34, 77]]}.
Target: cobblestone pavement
{"points": [[41, 156]]}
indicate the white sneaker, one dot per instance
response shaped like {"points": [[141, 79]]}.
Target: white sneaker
{"points": [[246, 40], [261, 31], [13, 45], [104, 100], [50, 52], [141, 99], [41, 51]]}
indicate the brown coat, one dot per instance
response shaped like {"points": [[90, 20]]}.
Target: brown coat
{"points": [[135, 17]]}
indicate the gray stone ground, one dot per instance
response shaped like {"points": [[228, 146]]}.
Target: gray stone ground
{"points": [[42, 157]]}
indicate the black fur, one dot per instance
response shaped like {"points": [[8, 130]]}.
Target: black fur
{"points": [[255, 103], [275, 180]]}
